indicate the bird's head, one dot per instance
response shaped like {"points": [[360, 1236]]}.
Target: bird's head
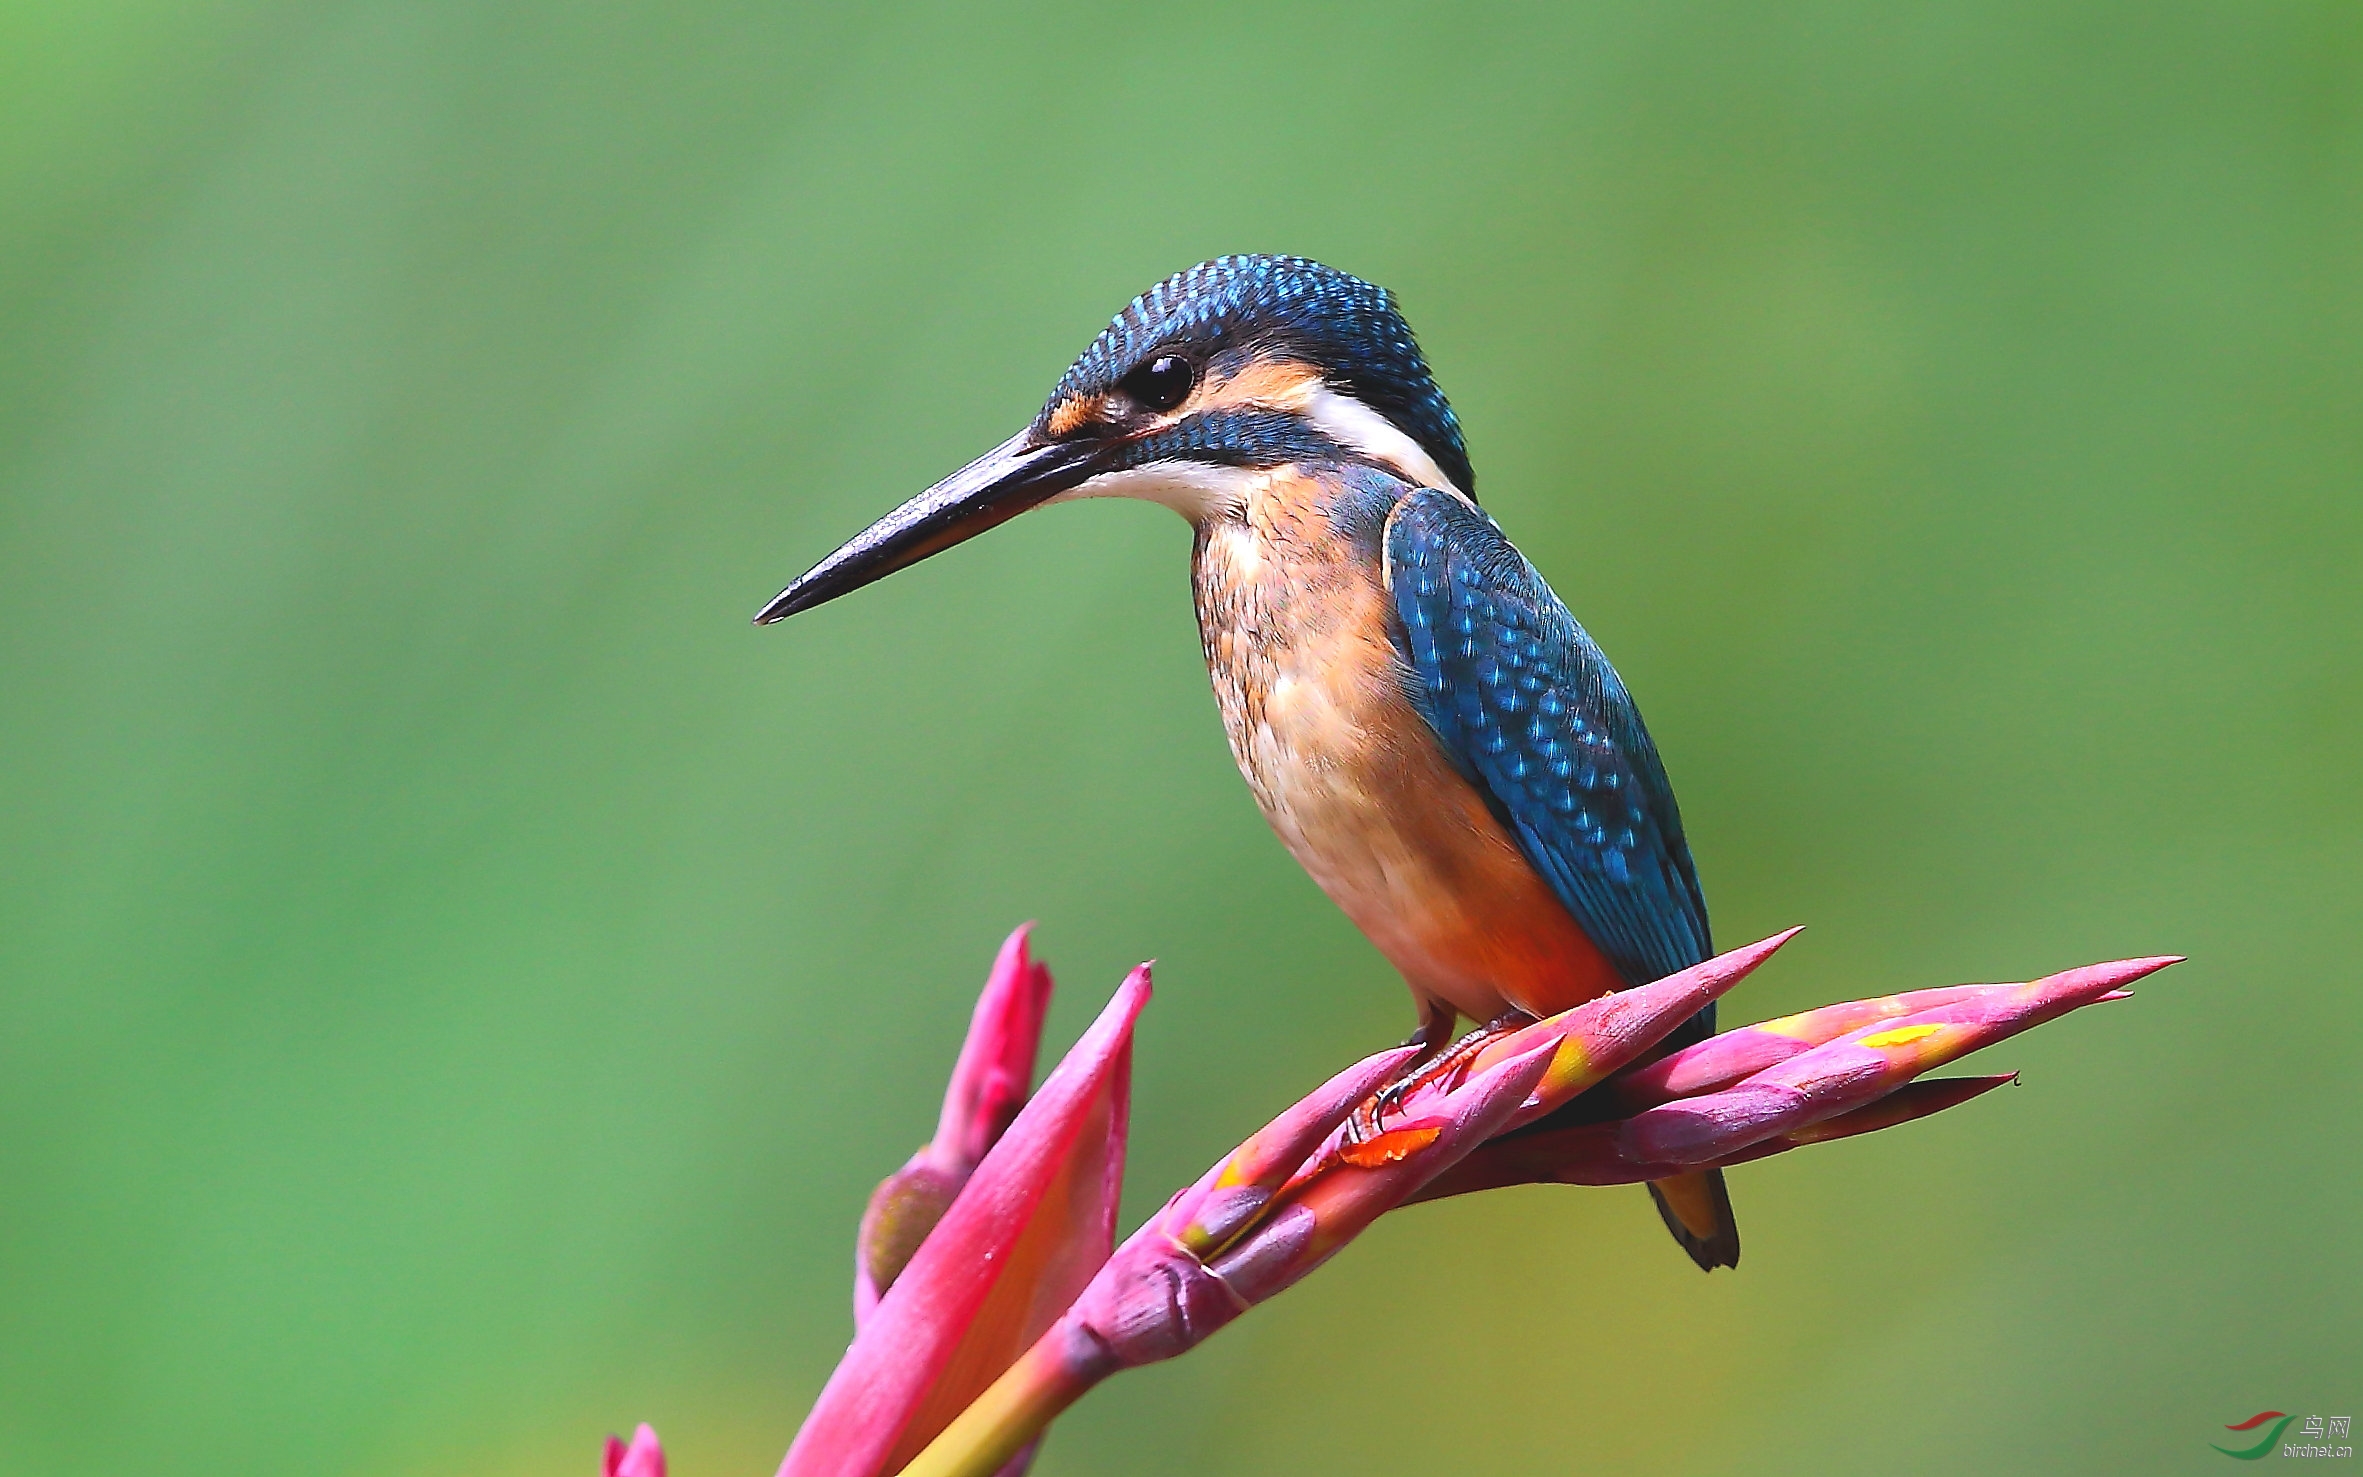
{"points": [[1209, 379]]}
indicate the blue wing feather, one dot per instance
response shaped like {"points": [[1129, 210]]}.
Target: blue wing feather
{"points": [[1533, 714]]}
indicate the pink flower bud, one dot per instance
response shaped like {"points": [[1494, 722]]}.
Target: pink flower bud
{"points": [[643, 1458]]}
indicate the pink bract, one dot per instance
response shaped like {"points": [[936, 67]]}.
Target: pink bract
{"points": [[1022, 1238]]}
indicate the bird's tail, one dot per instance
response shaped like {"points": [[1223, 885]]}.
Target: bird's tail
{"points": [[1697, 1209]]}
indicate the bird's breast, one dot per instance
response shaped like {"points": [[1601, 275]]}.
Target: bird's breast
{"points": [[1298, 628]]}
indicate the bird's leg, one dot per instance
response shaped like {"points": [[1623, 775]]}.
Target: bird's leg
{"points": [[1435, 1063], [1436, 1020], [1451, 1063]]}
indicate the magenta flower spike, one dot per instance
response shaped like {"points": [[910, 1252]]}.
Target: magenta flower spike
{"points": [[1335, 1200], [995, 1072], [1022, 1238], [1235, 1193], [1013, 1306], [1295, 1193], [1910, 1101], [643, 1458], [1599, 1036], [1862, 1066], [1157, 1297], [989, 1084], [1720, 1061], [1591, 1153]]}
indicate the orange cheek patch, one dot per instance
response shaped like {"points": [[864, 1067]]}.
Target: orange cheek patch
{"points": [[1073, 414], [1282, 383]]}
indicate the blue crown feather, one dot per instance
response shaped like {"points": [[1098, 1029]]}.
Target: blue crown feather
{"points": [[1348, 328]]}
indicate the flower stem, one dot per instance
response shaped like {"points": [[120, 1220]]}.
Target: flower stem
{"points": [[1018, 1407]]}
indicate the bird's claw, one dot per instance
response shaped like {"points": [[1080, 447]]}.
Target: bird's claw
{"points": [[1368, 1121]]}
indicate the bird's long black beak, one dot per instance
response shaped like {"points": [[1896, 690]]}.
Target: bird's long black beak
{"points": [[1021, 473]]}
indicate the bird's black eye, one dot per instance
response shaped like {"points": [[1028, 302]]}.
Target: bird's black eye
{"points": [[1162, 383]]}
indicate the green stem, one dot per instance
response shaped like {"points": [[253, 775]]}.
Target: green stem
{"points": [[1018, 1407]]}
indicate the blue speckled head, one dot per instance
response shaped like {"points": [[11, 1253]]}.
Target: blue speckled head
{"points": [[1240, 307]]}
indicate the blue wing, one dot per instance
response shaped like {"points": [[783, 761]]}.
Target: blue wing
{"points": [[1533, 714]]}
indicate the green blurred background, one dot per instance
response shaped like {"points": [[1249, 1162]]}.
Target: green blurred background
{"points": [[461, 980]]}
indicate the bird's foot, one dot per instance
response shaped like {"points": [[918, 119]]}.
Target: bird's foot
{"points": [[1366, 1132]]}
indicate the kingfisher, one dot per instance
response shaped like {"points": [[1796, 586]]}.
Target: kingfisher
{"points": [[1428, 730]]}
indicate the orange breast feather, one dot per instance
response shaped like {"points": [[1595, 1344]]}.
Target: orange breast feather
{"points": [[1294, 621]]}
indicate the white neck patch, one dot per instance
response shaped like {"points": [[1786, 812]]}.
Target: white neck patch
{"points": [[1349, 422]]}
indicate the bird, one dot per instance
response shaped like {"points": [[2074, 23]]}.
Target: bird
{"points": [[1426, 727]]}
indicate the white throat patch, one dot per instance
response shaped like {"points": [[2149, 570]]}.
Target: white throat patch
{"points": [[1196, 490]]}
